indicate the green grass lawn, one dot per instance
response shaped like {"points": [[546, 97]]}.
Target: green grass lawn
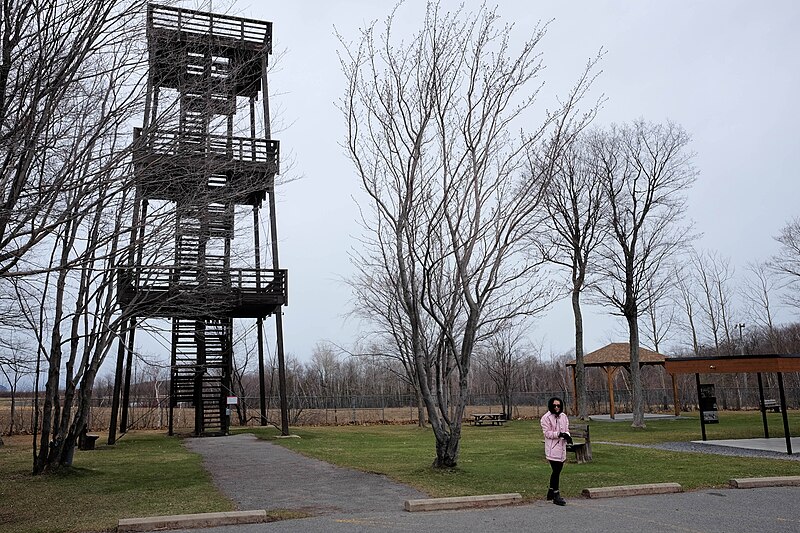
{"points": [[510, 458], [144, 474], [148, 474]]}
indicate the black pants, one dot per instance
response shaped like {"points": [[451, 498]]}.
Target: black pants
{"points": [[554, 477]]}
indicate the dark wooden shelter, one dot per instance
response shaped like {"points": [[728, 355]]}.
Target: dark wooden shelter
{"points": [[204, 150], [611, 358], [742, 364]]}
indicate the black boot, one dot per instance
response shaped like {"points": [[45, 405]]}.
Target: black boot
{"points": [[550, 494], [557, 499]]}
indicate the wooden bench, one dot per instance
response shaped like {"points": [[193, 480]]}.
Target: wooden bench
{"points": [[583, 447], [772, 405], [86, 442], [495, 419]]}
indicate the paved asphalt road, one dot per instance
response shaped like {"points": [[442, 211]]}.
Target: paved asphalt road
{"points": [[767, 510], [260, 475]]}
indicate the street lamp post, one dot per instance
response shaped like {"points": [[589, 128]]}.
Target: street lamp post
{"points": [[740, 325]]}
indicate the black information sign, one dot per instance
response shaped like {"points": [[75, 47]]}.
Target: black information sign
{"points": [[708, 404]]}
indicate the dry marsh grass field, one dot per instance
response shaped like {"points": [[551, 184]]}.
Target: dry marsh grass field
{"points": [[157, 418]]}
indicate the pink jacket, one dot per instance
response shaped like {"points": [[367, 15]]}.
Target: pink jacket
{"points": [[555, 448]]}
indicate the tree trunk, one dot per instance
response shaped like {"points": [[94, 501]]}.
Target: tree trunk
{"points": [[636, 373], [508, 406], [580, 369], [48, 449], [448, 442], [421, 414], [13, 409], [447, 449], [695, 342]]}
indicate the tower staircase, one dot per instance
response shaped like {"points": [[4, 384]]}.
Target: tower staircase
{"points": [[201, 370]]}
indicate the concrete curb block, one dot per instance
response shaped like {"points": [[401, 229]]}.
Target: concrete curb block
{"points": [[461, 502], [191, 520], [758, 482], [632, 490]]}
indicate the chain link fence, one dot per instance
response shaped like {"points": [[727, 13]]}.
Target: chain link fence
{"points": [[150, 413]]}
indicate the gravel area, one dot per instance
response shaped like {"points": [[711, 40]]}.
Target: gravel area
{"points": [[693, 447]]}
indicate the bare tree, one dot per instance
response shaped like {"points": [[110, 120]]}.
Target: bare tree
{"points": [[76, 337], [326, 370], [16, 364], [714, 274], [501, 357], [658, 317], [758, 290], [574, 230], [687, 300], [55, 56], [241, 368], [68, 86], [451, 198], [377, 303], [708, 302], [658, 311], [787, 261], [646, 171]]}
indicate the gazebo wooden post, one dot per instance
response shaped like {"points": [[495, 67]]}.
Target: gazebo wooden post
{"points": [[675, 395], [609, 378]]}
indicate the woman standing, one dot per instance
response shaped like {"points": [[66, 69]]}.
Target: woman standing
{"points": [[555, 426]]}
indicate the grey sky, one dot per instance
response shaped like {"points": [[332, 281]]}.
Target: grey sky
{"points": [[727, 71]]}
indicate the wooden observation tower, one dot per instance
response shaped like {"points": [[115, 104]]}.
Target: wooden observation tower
{"points": [[203, 155]]}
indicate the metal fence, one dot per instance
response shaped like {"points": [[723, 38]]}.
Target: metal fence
{"points": [[148, 413]]}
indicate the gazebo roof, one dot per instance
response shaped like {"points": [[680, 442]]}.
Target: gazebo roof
{"points": [[619, 354]]}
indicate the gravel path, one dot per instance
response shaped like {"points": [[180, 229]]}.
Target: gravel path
{"points": [[710, 448], [257, 474]]}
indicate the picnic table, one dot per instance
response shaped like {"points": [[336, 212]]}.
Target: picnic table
{"points": [[495, 419]]}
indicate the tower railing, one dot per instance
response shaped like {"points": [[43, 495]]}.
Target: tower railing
{"points": [[181, 277], [212, 25], [176, 143]]}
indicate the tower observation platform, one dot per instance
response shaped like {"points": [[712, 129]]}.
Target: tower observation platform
{"points": [[203, 154]]}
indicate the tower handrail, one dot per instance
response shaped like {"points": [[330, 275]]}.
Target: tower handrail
{"points": [[174, 142], [210, 24], [190, 277]]}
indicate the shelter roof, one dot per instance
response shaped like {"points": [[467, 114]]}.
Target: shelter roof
{"points": [[734, 364], [619, 354]]}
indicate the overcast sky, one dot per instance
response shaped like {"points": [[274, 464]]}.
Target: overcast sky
{"points": [[727, 71]]}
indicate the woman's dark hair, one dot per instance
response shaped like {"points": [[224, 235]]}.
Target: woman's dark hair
{"points": [[551, 408]]}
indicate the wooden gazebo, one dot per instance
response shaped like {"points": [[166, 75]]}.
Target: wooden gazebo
{"points": [[611, 358]]}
